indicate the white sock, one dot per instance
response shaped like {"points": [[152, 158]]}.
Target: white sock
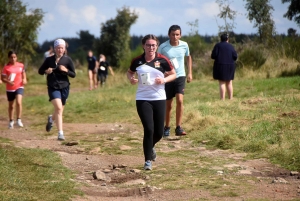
{"points": [[60, 133]]}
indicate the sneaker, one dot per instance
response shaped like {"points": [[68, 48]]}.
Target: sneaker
{"points": [[148, 165], [49, 123], [61, 137], [179, 131], [11, 124], [19, 122], [153, 155], [166, 132]]}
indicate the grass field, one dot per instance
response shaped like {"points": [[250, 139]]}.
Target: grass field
{"points": [[262, 120]]}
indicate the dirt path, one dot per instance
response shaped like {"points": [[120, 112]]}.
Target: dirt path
{"points": [[124, 178]]}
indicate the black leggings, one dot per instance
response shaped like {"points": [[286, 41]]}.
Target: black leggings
{"points": [[152, 115]]}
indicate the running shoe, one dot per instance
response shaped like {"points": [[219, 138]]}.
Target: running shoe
{"points": [[166, 132], [11, 124], [153, 155], [49, 123], [179, 131], [61, 137], [148, 165], [19, 122]]}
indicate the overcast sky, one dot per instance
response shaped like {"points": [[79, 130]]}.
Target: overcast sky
{"points": [[65, 18]]}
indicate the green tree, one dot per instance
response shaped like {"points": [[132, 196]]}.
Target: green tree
{"points": [[293, 10], [18, 29], [86, 40], [227, 14], [115, 38], [259, 11]]}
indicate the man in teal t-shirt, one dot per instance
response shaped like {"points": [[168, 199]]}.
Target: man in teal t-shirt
{"points": [[177, 51]]}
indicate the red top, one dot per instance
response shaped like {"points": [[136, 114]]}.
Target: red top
{"points": [[17, 69]]}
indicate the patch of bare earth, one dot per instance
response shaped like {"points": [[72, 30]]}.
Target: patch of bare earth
{"points": [[116, 177]]}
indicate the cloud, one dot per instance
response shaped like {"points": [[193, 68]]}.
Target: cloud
{"points": [[146, 18], [89, 14], [66, 11], [207, 10], [50, 17]]}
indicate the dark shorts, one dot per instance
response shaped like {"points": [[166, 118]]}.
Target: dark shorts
{"points": [[102, 77], [11, 96], [62, 94], [93, 71], [175, 87]]}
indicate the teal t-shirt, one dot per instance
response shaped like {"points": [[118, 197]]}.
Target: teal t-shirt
{"points": [[176, 54]]}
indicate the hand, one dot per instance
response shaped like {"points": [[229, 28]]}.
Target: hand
{"points": [[49, 71], [133, 80], [11, 83], [63, 68], [24, 81], [189, 78], [159, 80]]}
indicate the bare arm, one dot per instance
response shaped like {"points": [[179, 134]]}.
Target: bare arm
{"points": [[5, 79], [189, 66], [24, 78], [131, 77], [171, 76]]}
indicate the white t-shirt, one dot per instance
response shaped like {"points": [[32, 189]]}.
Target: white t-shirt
{"points": [[147, 88]]}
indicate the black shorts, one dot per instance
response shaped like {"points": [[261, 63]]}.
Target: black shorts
{"points": [[175, 87], [11, 95]]}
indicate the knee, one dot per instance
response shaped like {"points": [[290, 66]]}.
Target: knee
{"points": [[10, 106], [148, 132], [59, 110]]}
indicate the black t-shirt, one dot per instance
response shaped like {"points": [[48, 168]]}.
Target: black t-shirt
{"points": [[160, 62], [103, 67], [91, 62]]}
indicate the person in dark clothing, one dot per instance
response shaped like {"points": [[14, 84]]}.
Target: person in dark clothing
{"points": [[103, 70], [92, 70], [58, 68], [225, 56]]}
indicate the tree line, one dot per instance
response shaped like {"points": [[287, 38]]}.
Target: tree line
{"points": [[115, 41]]}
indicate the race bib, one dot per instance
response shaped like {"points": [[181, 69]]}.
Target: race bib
{"points": [[175, 63], [145, 78]]}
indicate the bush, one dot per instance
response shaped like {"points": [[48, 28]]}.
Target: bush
{"points": [[252, 58]]}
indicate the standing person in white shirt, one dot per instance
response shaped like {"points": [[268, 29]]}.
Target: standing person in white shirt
{"points": [[177, 51], [151, 96]]}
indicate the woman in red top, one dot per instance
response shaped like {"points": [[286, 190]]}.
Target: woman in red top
{"points": [[13, 74]]}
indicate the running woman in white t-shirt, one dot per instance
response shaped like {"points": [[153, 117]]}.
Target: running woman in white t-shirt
{"points": [[150, 96]]}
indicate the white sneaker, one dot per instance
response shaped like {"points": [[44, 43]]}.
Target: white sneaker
{"points": [[61, 137], [11, 124], [19, 122]]}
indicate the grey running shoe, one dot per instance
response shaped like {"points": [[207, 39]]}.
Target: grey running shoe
{"points": [[179, 131], [153, 156], [61, 137], [148, 165], [49, 124], [11, 124], [166, 132]]}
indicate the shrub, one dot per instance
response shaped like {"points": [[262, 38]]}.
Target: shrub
{"points": [[251, 58]]}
